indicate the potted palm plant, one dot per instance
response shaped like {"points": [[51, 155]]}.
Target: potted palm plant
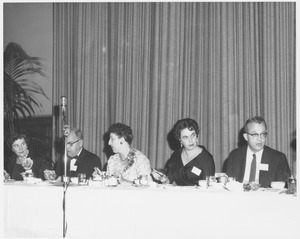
{"points": [[20, 89]]}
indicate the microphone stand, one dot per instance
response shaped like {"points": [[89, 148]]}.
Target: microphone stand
{"points": [[65, 177]]}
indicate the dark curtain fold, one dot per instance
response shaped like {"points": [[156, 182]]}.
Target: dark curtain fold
{"points": [[149, 64]]}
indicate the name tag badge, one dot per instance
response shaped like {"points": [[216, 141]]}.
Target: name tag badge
{"points": [[264, 167], [196, 171], [73, 167]]}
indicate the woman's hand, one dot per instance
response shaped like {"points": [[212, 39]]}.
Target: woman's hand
{"points": [[119, 176], [159, 176], [27, 164], [6, 175]]}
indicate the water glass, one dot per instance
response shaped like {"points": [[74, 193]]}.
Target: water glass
{"points": [[81, 178]]}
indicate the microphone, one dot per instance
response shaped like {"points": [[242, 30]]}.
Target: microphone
{"points": [[66, 130], [63, 103]]}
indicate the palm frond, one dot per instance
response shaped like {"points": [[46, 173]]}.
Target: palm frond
{"points": [[31, 86], [19, 87], [19, 68]]}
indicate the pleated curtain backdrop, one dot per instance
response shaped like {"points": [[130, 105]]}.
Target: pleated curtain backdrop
{"points": [[149, 64]]}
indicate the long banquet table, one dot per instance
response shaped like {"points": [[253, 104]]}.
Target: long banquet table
{"points": [[32, 210], [148, 212]]}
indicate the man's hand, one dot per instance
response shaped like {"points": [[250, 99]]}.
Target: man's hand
{"points": [[49, 175]]}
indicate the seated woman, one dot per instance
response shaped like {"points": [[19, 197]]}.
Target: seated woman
{"points": [[190, 163], [127, 163], [24, 160]]}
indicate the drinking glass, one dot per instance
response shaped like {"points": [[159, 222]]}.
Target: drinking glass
{"points": [[81, 178]]}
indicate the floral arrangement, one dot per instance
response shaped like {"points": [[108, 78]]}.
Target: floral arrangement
{"points": [[251, 186]]}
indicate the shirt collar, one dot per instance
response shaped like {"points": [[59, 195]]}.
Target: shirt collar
{"points": [[77, 155], [79, 152], [258, 154]]}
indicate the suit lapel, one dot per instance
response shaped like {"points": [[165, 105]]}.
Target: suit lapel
{"points": [[243, 161], [265, 159], [265, 156], [80, 157]]}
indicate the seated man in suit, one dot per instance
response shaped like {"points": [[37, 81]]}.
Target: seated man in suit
{"points": [[255, 161], [79, 160]]}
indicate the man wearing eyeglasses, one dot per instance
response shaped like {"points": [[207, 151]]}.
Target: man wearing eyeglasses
{"points": [[257, 162], [79, 159]]}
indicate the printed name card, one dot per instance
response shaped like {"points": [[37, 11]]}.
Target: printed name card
{"points": [[264, 167], [196, 171]]}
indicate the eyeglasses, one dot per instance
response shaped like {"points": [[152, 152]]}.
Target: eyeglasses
{"points": [[263, 135], [71, 143]]}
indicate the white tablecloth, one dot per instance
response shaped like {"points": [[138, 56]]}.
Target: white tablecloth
{"points": [[32, 210], [180, 212], [130, 212]]}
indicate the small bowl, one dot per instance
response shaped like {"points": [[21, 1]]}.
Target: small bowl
{"points": [[277, 185]]}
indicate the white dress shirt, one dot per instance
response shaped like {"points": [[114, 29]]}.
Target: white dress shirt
{"points": [[249, 158], [73, 167]]}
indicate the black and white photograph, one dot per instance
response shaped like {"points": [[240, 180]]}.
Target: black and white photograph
{"points": [[150, 120]]}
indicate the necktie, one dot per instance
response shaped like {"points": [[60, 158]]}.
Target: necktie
{"points": [[253, 169]]}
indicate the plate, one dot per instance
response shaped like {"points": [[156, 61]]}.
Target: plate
{"points": [[272, 190], [32, 180], [57, 183], [9, 180], [140, 186]]}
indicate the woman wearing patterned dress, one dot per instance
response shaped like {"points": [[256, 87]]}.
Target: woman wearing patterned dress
{"points": [[127, 164]]}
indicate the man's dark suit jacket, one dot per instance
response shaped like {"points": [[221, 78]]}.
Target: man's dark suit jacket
{"points": [[85, 163], [278, 170]]}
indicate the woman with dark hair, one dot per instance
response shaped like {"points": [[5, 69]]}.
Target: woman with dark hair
{"points": [[192, 162], [24, 160], [128, 164]]}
